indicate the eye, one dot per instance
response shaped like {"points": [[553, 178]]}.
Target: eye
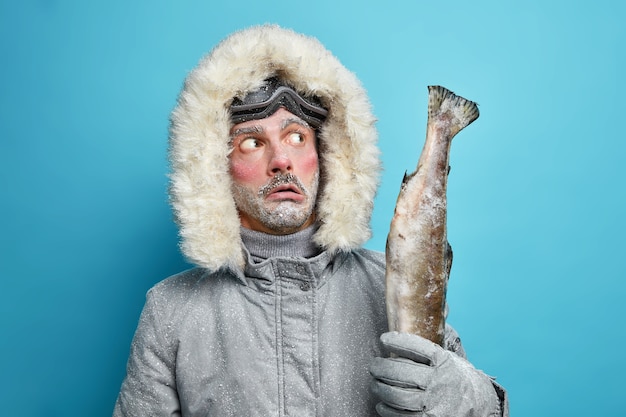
{"points": [[296, 138], [249, 144]]}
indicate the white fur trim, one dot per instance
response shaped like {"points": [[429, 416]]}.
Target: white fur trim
{"points": [[200, 182]]}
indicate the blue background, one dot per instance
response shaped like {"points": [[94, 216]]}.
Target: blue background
{"points": [[536, 195]]}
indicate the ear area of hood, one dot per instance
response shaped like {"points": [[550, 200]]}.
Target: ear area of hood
{"points": [[200, 183]]}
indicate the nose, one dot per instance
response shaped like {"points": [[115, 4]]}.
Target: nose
{"points": [[280, 162]]}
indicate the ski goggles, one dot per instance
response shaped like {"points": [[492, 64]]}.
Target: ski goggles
{"points": [[270, 97]]}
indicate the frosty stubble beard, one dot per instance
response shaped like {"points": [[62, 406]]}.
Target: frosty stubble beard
{"points": [[285, 216]]}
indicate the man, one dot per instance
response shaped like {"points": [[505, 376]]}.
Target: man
{"points": [[274, 170]]}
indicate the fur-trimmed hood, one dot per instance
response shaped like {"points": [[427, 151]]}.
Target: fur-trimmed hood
{"points": [[200, 187]]}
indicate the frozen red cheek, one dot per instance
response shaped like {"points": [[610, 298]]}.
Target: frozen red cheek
{"points": [[242, 171], [309, 164]]}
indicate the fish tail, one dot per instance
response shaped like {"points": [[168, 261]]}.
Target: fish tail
{"points": [[442, 101]]}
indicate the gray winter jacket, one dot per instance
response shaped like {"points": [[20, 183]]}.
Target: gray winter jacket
{"points": [[284, 337]]}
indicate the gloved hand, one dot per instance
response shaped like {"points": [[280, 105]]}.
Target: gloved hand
{"points": [[426, 380]]}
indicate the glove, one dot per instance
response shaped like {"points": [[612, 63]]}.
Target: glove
{"points": [[426, 380]]}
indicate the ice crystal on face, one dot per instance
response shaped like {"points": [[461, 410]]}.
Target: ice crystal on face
{"points": [[284, 216]]}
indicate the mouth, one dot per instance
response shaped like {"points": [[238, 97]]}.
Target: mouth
{"points": [[285, 192]]}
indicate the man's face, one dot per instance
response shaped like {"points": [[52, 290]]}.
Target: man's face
{"points": [[275, 171]]}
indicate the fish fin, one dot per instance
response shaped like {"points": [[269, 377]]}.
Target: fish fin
{"points": [[441, 101], [407, 177], [448, 259]]}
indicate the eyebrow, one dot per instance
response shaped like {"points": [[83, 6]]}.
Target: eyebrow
{"points": [[294, 120], [246, 131], [258, 129]]}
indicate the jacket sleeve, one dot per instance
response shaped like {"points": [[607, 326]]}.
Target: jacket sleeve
{"points": [[149, 387], [452, 342]]}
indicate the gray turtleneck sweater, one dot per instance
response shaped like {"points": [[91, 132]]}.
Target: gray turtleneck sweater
{"points": [[262, 246]]}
